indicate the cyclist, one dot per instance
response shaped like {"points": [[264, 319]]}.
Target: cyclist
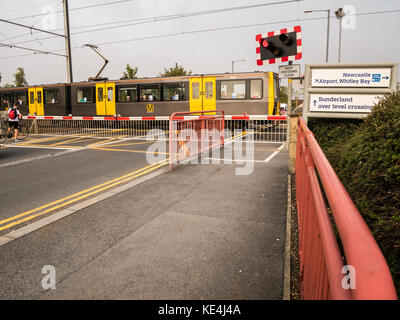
{"points": [[13, 120]]}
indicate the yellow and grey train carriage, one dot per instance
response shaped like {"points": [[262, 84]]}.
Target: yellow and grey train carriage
{"points": [[253, 93], [40, 100]]}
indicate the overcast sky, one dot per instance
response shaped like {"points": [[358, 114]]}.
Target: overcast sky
{"points": [[156, 44]]}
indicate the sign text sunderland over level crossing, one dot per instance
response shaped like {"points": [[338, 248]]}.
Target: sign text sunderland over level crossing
{"points": [[343, 102]]}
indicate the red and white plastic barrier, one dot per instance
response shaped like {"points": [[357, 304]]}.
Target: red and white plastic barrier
{"points": [[109, 118]]}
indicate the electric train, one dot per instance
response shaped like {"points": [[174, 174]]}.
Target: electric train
{"points": [[251, 93]]}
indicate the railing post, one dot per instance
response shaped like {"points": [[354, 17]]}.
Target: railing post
{"points": [[293, 124]]}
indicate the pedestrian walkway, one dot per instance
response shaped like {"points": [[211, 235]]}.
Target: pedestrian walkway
{"points": [[197, 232]]}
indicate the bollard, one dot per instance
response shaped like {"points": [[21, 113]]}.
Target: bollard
{"points": [[293, 120]]}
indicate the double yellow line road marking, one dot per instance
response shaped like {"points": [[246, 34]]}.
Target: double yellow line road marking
{"points": [[60, 203], [31, 214]]}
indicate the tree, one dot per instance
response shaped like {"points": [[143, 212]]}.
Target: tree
{"points": [[177, 70], [130, 73], [20, 80], [283, 92]]}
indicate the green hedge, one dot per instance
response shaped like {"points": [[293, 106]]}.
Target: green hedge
{"points": [[366, 157]]}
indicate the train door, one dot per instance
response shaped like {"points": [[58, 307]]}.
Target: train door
{"points": [[202, 94], [105, 99], [196, 99], [110, 101], [271, 93], [209, 93], [36, 101], [277, 98], [100, 101]]}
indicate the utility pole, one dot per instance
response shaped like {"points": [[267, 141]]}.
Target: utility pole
{"points": [[67, 41], [289, 108], [327, 35], [340, 39], [289, 105], [340, 14], [327, 28]]}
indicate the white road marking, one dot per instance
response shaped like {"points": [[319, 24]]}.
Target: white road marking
{"points": [[255, 161]]}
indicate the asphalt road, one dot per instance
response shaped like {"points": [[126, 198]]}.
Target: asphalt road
{"points": [[52, 174], [198, 232]]}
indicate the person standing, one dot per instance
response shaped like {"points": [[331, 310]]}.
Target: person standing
{"points": [[13, 120], [6, 104]]}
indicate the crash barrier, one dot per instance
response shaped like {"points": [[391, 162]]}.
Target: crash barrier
{"points": [[361, 272], [259, 128], [191, 136]]}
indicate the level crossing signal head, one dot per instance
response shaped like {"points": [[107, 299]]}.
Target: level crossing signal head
{"points": [[279, 46]]}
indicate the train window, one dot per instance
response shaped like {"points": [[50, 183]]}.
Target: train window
{"points": [[149, 93], [127, 94], [22, 97], [173, 92], [6, 101], [276, 88], [256, 89], [110, 93], [209, 89], [195, 90], [31, 97], [39, 96], [233, 89], [100, 94], [51, 96], [84, 94]]}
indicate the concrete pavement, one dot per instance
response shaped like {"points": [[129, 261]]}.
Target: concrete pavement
{"points": [[198, 232]]}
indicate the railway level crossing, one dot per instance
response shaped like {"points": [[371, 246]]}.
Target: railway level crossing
{"points": [[97, 194]]}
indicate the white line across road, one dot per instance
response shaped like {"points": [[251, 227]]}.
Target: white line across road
{"points": [[238, 161], [40, 147]]}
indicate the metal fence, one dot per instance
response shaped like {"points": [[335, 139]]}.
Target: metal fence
{"points": [[271, 129], [98, 127], [362, 273]]}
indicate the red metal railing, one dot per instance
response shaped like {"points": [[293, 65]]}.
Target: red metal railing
{"points": [[191, 133], [321, 262]]}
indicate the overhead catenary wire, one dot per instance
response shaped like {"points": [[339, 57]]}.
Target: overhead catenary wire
{"points": [[133, 22], [30, 6], [216, 29], [72, 9], [31, 49], [31, 28], [163, 18]]}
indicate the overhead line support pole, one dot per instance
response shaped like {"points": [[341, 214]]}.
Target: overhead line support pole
{"points": [[67, 41]]}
